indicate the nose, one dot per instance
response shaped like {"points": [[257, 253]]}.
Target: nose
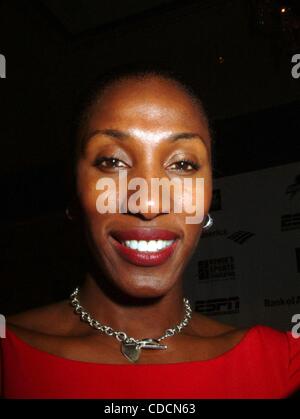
{"points": [[147, 198], [148, 214], [148, 208]]}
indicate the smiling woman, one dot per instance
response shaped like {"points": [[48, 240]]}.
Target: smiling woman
{"points": [[136, 323]]}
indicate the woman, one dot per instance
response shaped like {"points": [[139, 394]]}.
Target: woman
{"points": [[144, 124]]}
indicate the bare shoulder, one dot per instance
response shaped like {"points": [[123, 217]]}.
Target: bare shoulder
{"points": [[46, 319], [51, 328], [207, 327], [214, 338]]}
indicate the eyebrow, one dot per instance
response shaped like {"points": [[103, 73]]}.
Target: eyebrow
{"points": [[122, 135]]}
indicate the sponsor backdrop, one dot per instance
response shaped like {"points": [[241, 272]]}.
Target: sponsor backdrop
{"points": [[246, 269]]}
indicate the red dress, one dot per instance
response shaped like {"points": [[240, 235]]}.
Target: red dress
{"points": [[264, 364]]}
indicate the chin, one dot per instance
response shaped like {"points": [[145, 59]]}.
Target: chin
{"points": [[145, 286]]}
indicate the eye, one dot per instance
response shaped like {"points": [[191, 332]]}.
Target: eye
{"points": [[185, 166], [109, 163]]}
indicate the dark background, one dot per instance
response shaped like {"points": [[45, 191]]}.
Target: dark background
{"points": [[237, 53]]}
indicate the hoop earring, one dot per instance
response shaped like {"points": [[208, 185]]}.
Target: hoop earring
{"points": [[68, 215], [208, 223]]}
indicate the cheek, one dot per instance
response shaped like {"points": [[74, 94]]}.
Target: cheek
{"points": [[192, 235], [93, 222], [86, 190], [193, 231], [199, 193], [89, 198]]}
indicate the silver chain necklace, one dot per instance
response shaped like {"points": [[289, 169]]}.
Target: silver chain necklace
{"points": [[130, 347]]}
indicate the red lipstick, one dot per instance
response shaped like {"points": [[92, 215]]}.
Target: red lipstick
{"points": [[144, 258]]}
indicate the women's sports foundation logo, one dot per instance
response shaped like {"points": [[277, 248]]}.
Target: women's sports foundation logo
{"points": [[178, 195]]}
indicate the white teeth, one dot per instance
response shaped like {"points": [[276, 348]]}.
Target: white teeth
{"points": [[148, 246], [142, 246], [133, 244], [152, 246], [160, 244]]}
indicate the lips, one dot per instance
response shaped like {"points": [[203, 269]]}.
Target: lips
{"points": [[144, 234], [145, 247]]}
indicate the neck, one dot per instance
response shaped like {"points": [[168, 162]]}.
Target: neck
{"points": [[137, 317]]}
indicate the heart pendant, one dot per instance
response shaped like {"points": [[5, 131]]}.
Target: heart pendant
{"points": [[131, 351]]}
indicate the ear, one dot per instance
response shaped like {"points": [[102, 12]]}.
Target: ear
{"points": [[73, 209]]}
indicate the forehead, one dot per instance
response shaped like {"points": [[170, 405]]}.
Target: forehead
{"points": [[153, 104]]}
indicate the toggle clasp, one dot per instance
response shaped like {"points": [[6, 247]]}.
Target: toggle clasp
{"points": [[149, 343]]}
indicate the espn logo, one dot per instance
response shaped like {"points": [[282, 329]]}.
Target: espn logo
{"points": [[218, 306]]}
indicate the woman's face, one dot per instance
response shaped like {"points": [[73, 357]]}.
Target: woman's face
{"points": [[144, 128]]}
